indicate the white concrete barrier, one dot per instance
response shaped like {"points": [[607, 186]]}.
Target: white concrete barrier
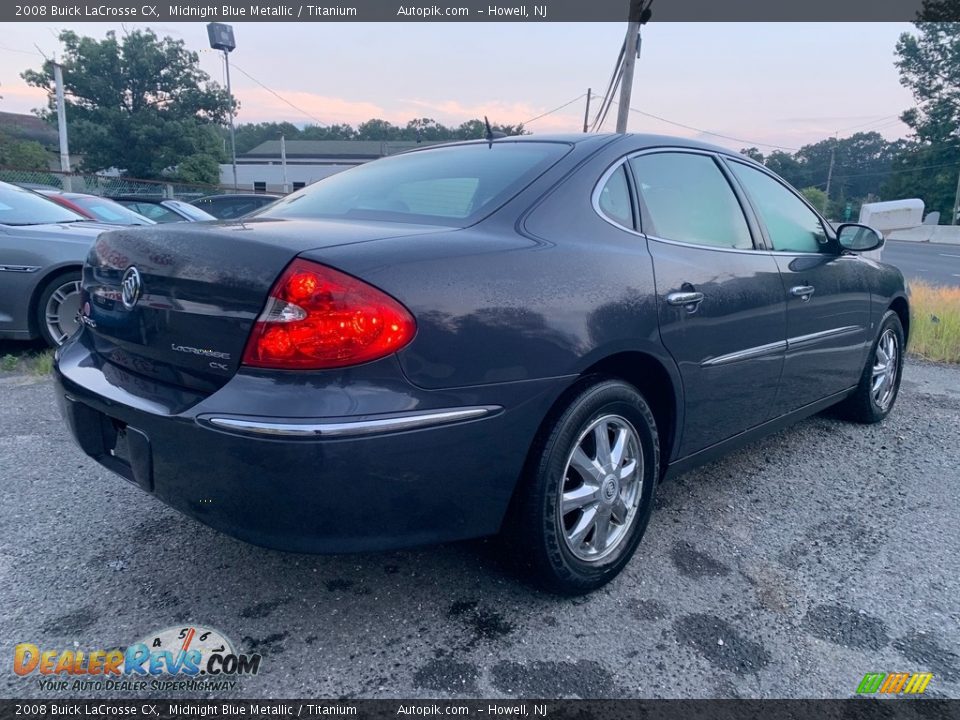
{"points": [[892, 215], [946, 234]]}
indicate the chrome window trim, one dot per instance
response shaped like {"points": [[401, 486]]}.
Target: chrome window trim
{"points": [[601, 183], [351, 428]]}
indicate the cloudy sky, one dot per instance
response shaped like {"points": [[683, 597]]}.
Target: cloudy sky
{"points": [[770, 85]]}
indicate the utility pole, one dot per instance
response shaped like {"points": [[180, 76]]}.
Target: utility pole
{"points": [[833, 157], [631, 46], [639, 16], [283, 163], [956, 203], [62, 125], [586, 113]]}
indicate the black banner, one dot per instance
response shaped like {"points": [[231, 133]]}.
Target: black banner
{"points": [[854, 709], [475, 10]]}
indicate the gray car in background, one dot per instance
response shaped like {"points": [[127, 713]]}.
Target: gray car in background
{"points": [[42, 248]]}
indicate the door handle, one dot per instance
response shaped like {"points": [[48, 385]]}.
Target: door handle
{"points": [[688, 300], [802, 291]]}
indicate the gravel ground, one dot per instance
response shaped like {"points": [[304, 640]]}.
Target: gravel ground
{"points": [[788, 569]]}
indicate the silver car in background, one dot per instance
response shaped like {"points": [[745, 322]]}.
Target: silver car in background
{"points": [[42, 248]]}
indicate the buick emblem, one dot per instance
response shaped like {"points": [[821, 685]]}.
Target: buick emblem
{"points": [[130, 287]]}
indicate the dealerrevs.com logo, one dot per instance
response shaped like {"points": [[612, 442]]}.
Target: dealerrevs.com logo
{"points": [[176, 658]]}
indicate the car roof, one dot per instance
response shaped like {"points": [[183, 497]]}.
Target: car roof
{"points": [[235, 196], [636, 142]]}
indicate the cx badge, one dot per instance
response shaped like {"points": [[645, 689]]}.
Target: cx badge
{"points": [[130, 287]]}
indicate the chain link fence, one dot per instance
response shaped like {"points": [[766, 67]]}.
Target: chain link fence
{"points": [[105, 185]]}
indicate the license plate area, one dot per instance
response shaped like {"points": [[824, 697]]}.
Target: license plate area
{"points": [[120, 448]]}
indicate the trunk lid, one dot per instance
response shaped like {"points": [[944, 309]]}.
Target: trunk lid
{"points": [[193, 291]]}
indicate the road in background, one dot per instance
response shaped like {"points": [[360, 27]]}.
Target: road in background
{"points": [[788, 569], [930, 262]]}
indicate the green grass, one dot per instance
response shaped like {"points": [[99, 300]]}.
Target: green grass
{"points": [[36, 363], [935, 322]]}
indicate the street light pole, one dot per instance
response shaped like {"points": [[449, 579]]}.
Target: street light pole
{"points": [[233, 132], [221, 38]]}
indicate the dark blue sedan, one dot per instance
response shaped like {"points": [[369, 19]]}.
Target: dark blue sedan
{"points": [[521, 336]]}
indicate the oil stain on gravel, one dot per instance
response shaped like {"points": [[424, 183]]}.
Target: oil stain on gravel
{"points": [[268, 645], [695, 564], [73, 623], [721, 644], [447, 676], [485, 625], [582, 679], [927, 653], [846, 627], [263, 609]]}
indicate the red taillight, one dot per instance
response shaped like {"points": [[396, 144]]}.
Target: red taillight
{"points": [[317, 318]]}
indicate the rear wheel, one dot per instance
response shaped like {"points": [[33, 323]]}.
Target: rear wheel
{"points": [[588, 493], [58, 307], [879, 384]]}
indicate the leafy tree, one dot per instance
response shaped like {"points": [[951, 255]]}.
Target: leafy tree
{"points": [[816, 197], [249, 135], [929, 65], [140, 104], [753, 153], [23, 154]]}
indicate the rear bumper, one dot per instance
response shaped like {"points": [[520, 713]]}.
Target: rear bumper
{"points": [[347, 484]]}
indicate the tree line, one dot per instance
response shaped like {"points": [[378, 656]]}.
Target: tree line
{"points": [[141, 104]]}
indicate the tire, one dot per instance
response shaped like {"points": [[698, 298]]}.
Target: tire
{"points": [[57, 308], [558, 550], [867, 404]]}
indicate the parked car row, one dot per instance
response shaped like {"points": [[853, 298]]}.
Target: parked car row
{"points": [[46, 233]]}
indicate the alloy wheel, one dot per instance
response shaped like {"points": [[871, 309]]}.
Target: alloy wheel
{"points": [[602, 488], [61, 311], [886, 364]]}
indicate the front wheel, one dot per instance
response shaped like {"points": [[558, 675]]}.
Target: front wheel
{"points": [[879, 384], [588, 493]]}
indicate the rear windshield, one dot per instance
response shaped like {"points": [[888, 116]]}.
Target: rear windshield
{"points": [[453, 186]]}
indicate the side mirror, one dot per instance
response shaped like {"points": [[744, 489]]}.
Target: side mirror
{"points": [[859, 238]]}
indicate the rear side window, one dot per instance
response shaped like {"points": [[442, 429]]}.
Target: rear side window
{"points": [[444, 186], [791, 225], [614, 200], [687, 198]]}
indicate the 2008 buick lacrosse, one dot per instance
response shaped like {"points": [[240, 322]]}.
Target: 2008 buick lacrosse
{"points": [[522, 336]]}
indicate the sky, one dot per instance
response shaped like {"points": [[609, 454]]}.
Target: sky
{"points": [[770, 85]]}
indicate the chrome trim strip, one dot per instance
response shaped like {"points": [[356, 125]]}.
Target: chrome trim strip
{"points": [[822, 335], [354, 427], [744, 354], [19, 268]]}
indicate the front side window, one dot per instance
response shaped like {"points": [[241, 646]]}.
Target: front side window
{"points": [[686, 198], [791, 225], [453, 186], [614, 199]]}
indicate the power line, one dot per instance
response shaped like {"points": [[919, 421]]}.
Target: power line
{"points": [[22, 52], [556, 109], [708, 132], [279, 96], [611, 89]]}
